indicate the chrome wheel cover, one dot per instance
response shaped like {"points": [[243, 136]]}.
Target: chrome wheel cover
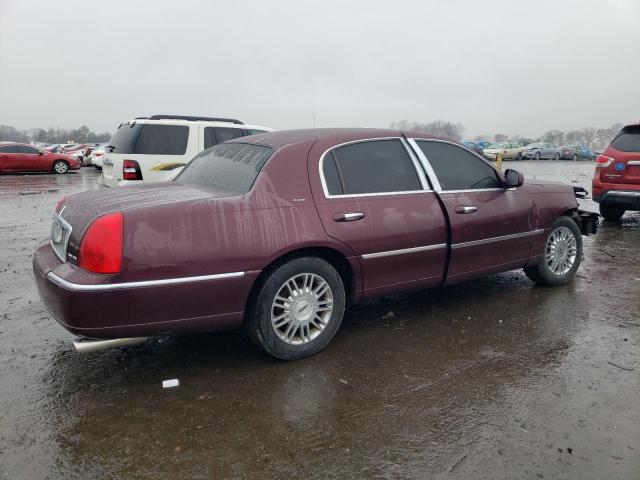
{"points": [[561, 251], [302, 308], [60, 167]]}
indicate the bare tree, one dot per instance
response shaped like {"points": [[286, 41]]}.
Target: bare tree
{"points": [[553, 136], [500, 137], [441, 128]]}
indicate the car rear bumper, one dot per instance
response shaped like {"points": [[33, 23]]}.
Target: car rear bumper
{"points": [[97, 306], [628, 199]]}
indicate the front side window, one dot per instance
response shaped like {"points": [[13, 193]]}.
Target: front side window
{"points": [[26, 150], [229, 167], [458, 169], [378, 166]]}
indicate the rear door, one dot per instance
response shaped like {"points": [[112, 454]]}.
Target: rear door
{"points": [[492, 228], [8, 158], [625, 151], [373, 196]]}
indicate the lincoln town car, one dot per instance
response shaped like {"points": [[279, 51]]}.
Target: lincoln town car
{"points": [[278, 232]]}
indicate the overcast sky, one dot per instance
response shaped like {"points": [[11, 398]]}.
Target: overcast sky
{"points": [[495, 66]]}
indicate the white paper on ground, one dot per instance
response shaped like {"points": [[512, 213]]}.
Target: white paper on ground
{"points": [[174, 382]]}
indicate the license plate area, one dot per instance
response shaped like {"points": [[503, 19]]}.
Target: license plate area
{"points": [[60, 234]]}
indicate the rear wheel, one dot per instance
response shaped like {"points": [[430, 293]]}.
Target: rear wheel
{"points": [[537, 156], [562, 255], [575, 157], [60, 166], [556, 156], [298, 309], [613, 213]]}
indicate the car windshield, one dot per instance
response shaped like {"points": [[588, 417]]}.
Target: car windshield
{"points": [[230, 167], [497, 145]]}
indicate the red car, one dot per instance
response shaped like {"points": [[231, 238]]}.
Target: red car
{"points": [[18, 157], [616, 182], [278, 232]]}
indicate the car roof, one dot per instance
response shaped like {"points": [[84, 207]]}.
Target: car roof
{"points": [[282, 138]]}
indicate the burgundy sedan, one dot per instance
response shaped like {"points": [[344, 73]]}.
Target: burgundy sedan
{"points": [[19, 157], [278, 232]]}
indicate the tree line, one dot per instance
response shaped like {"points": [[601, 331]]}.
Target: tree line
{"points": [[591, 137], [52, 135]]}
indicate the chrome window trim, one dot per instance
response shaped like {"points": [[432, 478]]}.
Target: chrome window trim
{"points": [[496, 239], [476, 190], [78, 287], [416, 166], [402, 251], [431, 172], [633, 162]]}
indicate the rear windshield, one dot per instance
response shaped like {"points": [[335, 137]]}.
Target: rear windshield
{"points": [[230, 167], [147, 139], [628, 140]]}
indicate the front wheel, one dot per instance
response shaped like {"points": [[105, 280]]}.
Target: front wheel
{"points": [[298, 309], [60, 166], [575, 157], [537, 156], [556, 156], [613, 213], [562, 255]]}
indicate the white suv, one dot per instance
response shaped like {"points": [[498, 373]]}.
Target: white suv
{"points": [[156, 148]]}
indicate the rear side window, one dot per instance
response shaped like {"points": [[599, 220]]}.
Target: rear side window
{"points": [[162, 140], [216, 135], [628, 140], [230, 167], [458, 169], [379, 166], [9, 149]]}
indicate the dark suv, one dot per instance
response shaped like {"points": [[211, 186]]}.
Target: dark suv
{"points": [[616, 182]]}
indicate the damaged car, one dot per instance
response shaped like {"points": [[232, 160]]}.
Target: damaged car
{"points": [[278, 233]]}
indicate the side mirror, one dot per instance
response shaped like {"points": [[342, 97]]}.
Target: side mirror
{"points": [[513, 178]]}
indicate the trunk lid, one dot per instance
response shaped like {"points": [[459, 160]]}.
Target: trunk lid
{"points": [[75, 213]]}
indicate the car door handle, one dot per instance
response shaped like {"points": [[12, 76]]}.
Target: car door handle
{"points": [[461, 209], [347, 216]]}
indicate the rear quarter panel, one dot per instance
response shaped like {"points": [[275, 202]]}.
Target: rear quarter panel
{"points": [[230, 234]]}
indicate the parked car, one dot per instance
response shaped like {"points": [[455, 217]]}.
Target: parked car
{"points": [[483, 144], [541, 150], [96, 155], [616, 182], [508, 150], [20, 157], [473, 146], [279, 232], [156, 148], [577, 152], [55, 148]]}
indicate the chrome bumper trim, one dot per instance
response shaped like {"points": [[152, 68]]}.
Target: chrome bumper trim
{"points": [[61, 282]]}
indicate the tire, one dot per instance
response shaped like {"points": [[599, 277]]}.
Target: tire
{"points": [[556, 156], [274, 325], [537, 156], [612, 213], [519, 156], [565, 236], [575, 157], [60, 166]]}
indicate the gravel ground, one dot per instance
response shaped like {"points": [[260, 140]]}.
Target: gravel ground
{"points": [[495, 378]]}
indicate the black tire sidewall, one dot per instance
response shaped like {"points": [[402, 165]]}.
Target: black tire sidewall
{"points": [[611, 213], [259, 322], [549, 277]]}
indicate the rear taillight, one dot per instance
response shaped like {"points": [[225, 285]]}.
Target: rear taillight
{"points": [[602, 161], [131, 170], [97, 154], [101, 246]]}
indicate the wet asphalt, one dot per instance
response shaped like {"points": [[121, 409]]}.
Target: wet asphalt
{"points": [[495, 378]]}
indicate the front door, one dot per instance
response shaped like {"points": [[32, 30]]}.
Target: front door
{"points": [[492, 228], [373, 196]]}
